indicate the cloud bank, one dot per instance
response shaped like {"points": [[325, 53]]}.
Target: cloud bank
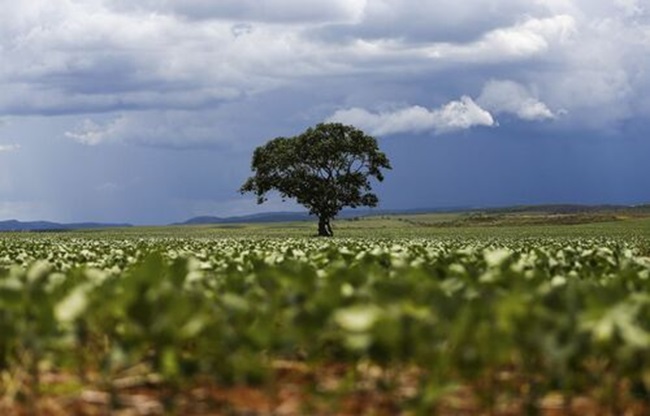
{"points": [[456, 115], [509, 97], [497, 97], [117, 57], [179, 129], [117, 88]]}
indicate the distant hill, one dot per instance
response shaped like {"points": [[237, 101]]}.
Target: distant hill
{"points": [[285, 216], [14, 225], [293, 216], [568, 208], [303, 216], [254, 218]]}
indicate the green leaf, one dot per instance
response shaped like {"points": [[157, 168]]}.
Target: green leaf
{"points": [[73, 305], [357, 318]]}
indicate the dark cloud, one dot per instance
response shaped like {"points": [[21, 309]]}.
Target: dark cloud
{"points": [[433, 21], [114, 56], [152, 108], [276, 11]]}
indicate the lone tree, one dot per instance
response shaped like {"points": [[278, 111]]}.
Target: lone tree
{"points": [[326, 168]]}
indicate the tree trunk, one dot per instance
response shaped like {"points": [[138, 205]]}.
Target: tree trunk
{"points": [[329, 228], [324, 227]]}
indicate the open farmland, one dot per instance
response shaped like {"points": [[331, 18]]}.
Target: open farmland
{"points": [[395, 316]]}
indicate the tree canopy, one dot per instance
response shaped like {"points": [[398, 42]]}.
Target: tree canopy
{"points": [[326, 168]]}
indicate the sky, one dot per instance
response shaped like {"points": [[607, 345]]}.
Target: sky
{"points": [[148, 111]]}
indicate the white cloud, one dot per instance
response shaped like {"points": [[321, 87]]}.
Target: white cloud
{"points": [[631, 8], [512, 98], [497, 97], [4, 148], [176, 129], [456, 115], [91, 133], [280, 11], [159, 58], [421, 21], [530, 38], [601, 75], [62, 58], [91, 59]]}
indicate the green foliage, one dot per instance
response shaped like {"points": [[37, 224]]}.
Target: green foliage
{"points": [[325, 169], [515, 318]]}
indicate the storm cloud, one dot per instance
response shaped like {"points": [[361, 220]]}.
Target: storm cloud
{"points": [[223, 77]]}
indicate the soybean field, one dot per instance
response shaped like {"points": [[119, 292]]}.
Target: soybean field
{"points": [[392, 317]]}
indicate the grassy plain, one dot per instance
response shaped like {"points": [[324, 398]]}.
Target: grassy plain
{"points": [[434, 225]]}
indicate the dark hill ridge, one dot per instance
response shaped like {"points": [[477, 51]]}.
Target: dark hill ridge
{"points": [[555, 209], [644, 209], [14, 225], [569, 209], [282, 216], [264, 217]]}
